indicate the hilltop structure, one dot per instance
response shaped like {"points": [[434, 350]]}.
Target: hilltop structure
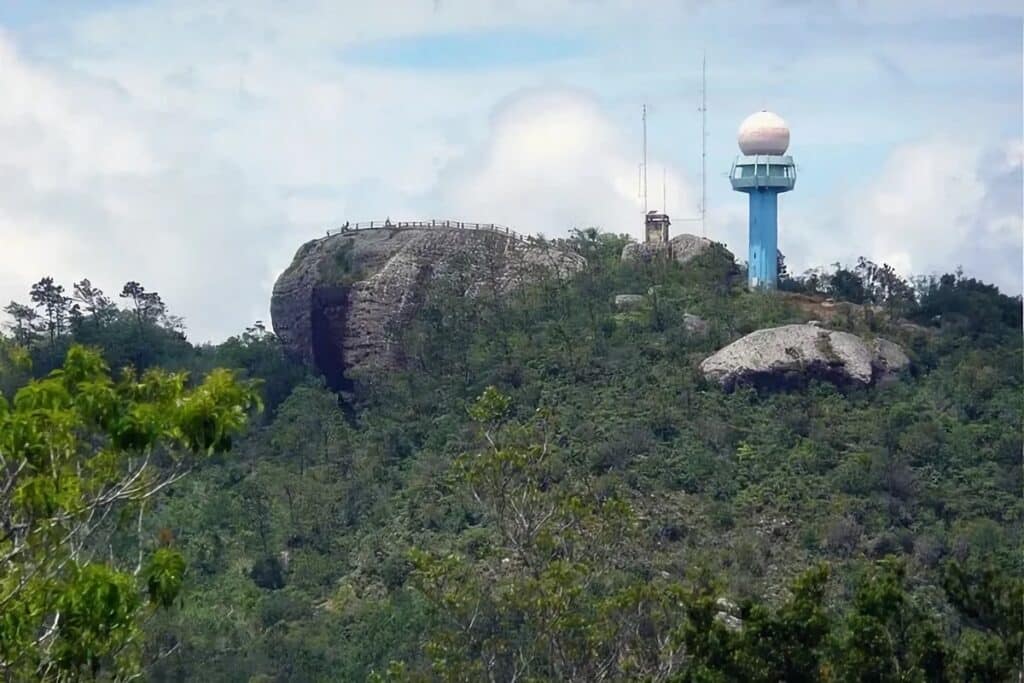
{"points": [[763, 171], [656, 227]]}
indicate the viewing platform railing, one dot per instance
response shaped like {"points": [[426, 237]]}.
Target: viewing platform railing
{"points": [[388, 224]]}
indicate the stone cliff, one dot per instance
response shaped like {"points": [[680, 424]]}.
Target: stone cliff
{"points": [[341, 303]]}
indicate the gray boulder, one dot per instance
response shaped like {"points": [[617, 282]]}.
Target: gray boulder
{"points": [[794, 353], [342, 303], [627, 301], [694, 324], [683, 248]]}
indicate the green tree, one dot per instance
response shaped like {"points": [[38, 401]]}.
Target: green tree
{"points": [[50, 299], [259, 353], [147, 307], [549, 597], [886, 636], [555, 592], [82, 455], [25, 325], [991, 605], [787, 644], [96, 305]]}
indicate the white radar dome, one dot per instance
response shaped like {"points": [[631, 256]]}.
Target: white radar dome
{"points": [[763, 133]]}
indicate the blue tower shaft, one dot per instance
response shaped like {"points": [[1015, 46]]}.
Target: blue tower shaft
{"points": [[763, 177], [762, 257]]}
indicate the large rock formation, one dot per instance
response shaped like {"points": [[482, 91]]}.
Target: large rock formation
{"points": [[794, 353], [340, 304], [683, 248]]}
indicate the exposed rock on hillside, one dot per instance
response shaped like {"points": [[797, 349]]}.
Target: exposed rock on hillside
{"points": [[794, 353], [683, 248], [625, 302], [341, 302], [695, 325]]}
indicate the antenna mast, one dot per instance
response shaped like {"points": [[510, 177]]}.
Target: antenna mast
{"points": [[703, 144], [644, 117], [664, 192]]}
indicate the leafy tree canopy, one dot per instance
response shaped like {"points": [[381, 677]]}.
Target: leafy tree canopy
{"points": [[82, 454]]}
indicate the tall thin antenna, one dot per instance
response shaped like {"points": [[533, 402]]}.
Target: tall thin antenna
{"points": [[703, 144], [644, 116], [664, 192]]}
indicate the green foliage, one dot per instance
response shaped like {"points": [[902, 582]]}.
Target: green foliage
{"points": [[490, 407], [787, 645], [885, 636], [653, 526], [95, 610], [559, 593], [971, 305], [164, 574], [79, 450], [547, 598]]}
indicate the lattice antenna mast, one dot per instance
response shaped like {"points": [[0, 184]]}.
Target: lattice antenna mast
{"points": [[644, 119], [703, 145]]}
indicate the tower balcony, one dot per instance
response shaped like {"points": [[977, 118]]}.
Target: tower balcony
{"points": [[767, 172]]}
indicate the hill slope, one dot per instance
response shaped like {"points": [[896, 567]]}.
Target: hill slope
{"points": [[312, 552]]}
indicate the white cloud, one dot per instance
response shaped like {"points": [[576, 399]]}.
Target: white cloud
{"points": [[933, 206], [554, 160], [195, 145], [95, 186]]}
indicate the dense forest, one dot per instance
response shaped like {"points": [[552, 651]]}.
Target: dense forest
{"points": [[549, 489]]}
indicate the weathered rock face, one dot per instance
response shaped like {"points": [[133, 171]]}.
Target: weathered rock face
{"points": [[341, 303], [683, 248], [794, 353], [624, 302], [695, 325]]}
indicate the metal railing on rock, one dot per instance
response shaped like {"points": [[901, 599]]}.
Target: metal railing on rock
{"points": [[446, 224]]}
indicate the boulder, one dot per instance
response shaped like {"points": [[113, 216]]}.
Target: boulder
{"points": [[341, 304], [683, 248], [627, 301], [889, 359], [694, 324], [795, 353]]}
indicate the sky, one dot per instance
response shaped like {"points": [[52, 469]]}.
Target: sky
{"points": [[194, 145]]}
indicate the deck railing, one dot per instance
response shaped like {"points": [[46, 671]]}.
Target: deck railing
{"points": [[443, 224]]}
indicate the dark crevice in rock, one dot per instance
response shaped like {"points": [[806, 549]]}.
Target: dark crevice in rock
{"points": [[794, 379], [328, 305]]}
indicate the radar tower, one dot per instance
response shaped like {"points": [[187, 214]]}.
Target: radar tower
{"points": [[763, 171]]}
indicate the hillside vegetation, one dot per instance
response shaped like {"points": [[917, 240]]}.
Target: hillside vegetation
{"points": [[549, 490]]}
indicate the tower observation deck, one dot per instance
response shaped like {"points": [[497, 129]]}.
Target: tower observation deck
{"points": [[763, 171]]}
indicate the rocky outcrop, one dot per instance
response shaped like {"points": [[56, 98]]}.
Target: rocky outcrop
{"points": [[341, 303], [683, 248], [625, 302], [792, 354], [695, 325]]}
